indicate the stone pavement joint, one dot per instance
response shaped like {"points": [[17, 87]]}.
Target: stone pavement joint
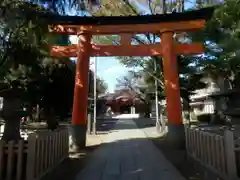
{"points": [[127, 154]]}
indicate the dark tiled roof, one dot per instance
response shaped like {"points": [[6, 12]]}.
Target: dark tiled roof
{"points": [[126, 93], [204, 13], [228, 92]]}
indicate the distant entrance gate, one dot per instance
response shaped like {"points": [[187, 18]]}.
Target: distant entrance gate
{"points": [[165, 25]]}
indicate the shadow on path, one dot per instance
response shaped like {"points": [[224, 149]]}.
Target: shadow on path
{"points": [[106, 125], [134, 158], [70, 167], [125, 158], [178, 157]]}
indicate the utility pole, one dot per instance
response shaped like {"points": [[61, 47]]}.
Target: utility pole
{"points": [[156, 97], [95, 96]]}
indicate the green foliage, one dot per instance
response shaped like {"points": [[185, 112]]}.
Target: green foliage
{"points": [[151, 68], [25, 59], [21, 35], [64, 6], [222, 38], [101, 86]]}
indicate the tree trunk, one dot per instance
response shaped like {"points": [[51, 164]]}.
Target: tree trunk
{"points": [[12, 130], [51, 119], [199, 3], [37, 113], [163, 7], [11, 115], [148, 110]]}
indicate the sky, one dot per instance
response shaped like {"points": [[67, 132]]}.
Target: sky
{"points": [[109, 68]]}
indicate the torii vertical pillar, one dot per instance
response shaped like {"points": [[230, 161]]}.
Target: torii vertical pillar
{"points": [[175, 134], [80, 100]]}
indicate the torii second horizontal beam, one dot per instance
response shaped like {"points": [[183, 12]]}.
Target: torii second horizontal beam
{"points": [[127, 50]]}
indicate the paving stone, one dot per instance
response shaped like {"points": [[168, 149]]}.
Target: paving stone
{"points": [[127, 154]]}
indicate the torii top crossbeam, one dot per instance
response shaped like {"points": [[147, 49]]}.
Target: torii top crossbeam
{"points": [[191, 20], [126, 27], [165, 25]]}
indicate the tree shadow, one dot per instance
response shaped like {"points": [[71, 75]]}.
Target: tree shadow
{"points": [[178, 157], [108, 124], [137, 150], [77, 162], [70, 167], [105, 125]]}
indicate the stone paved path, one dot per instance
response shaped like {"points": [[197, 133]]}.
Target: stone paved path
{"points": [[128, 155]]}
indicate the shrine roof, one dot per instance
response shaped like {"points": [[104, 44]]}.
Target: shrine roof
{"points": [[204, 13]]}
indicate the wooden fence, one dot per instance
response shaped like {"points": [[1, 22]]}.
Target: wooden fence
{"points": [[24, 134], [31, 159], [216, 153]]}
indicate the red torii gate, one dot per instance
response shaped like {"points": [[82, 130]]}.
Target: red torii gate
{"points": [[165, 25]]}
